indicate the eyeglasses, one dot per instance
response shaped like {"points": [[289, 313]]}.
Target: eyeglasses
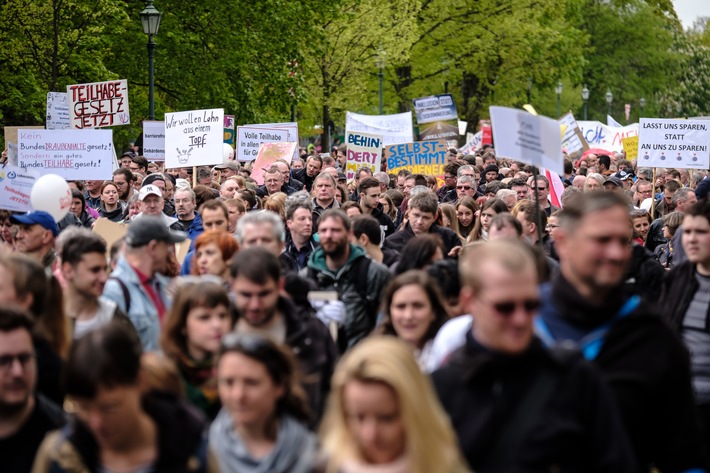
{"points": [[506, 309], [464, 188], [539, 188], [6, 361]]}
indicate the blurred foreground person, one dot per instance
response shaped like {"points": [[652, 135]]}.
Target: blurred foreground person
{"points": [[515, 405], [383, 415], [117, 427], [261, 427]]}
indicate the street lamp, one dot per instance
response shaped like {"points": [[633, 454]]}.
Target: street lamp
{"points": [[558, 91], [381, 76], [585, 97], [150, 19], [609, 98], [642, 104]]}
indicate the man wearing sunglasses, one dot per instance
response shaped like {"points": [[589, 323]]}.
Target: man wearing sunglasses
{"points": [[516, 406], [642, 360]]}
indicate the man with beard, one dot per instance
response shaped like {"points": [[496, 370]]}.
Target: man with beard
{"points": [[123, 178], [185, 211], [137, 285], [338, 265], [25, 417], [256, 284], [637, 353]]}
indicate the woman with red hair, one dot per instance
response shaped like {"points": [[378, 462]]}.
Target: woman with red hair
{"points": [[213, 252]]}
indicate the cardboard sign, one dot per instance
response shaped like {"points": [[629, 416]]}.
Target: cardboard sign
{"points": [[668, 143], [572, 139], [15, 188], [154, 140], [631, 147], [267, 156], [112, 232], [72, 154], [57, 111], [195, 138], [527, 138], [11, 132], [393, 129], [362, 150], [421, 157], [598, 135], [229, 129], [251, 137], [98, 104]]}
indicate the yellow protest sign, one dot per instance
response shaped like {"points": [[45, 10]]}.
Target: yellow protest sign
{"points": [[631, 147]]}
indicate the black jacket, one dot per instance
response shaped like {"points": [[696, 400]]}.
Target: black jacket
{"points": [[677, 292], [576, 430], [655, 235], [648, 370], [302, 176], [262, 192], [386, 223], [645, 274], [397, 240]]}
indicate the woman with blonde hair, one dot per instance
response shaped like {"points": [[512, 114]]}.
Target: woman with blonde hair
{"points": [[449, 219], [383, 415]]}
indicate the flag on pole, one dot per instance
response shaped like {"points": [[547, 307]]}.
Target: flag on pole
{"points": [[556, 187]]}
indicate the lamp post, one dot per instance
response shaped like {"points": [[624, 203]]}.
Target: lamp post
{"points": [[558, 91], [150, 19], [585, 97], [609, 98], [381, 76], [642, 104]]}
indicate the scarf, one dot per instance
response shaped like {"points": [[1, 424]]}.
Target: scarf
{"points": [[294, 451], [200, 374]]}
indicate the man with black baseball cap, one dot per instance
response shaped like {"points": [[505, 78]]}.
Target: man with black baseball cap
{"points": [[35, 237], [137, 285]]}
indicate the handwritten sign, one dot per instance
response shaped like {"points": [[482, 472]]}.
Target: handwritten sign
{"points": [[572, 139], [251, 137], [72, 154], [393, 129], [363, 150], [528, 138], [154, 140], [57, 111], [15, 188], [267, 156], [98, 104], [606, 137], [668, 143], [631, 147], [421, 157], [194, 138]]}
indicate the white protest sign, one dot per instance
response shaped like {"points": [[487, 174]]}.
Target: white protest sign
{"points": [[571, 140], [394, 129], [527, 138], [668, 143], [57, 111], [363, 150], [15, 188], [98, 104], [12, 153], [194, 138], [154, 140], [598, 135], [72, 154], [250, 138]]}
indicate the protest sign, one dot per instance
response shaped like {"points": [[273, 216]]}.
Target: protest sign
{"points": [[598, 135], [195, 138], [462, 127], [267, 156], [98, 104], [229, 129], [421, 157], [251, 137], [527, 138], [57, 111], [15, 188], [486, 132], [631, 147], [154, 140], [669, 143], [392, 128], [11, 132], [572, 139], [72, 154], [362, 150], [438, 113]]}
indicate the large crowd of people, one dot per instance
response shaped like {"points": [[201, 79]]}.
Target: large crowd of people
{"points": [[393, 323]]}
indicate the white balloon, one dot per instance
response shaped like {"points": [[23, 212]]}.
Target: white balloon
{"points": [[227, 151], [52, 194]]}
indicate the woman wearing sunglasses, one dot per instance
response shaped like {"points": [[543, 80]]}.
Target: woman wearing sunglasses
{"points": [[383, 415], [261, 427], [199, 318], [414, 311]]}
